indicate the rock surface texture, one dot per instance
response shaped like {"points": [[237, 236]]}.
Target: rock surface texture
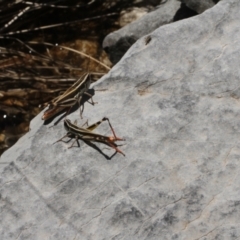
{"points": [[174, 96], [118, 42], [200, 5]]}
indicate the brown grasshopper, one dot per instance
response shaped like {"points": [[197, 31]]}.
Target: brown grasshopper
{"points": [[69, 98], [87, 135]]}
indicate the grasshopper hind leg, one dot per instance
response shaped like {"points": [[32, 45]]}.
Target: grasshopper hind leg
{"points": [[114, 134]]}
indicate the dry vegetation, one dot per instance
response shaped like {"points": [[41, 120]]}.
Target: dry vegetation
{"points": [[44, 48]]}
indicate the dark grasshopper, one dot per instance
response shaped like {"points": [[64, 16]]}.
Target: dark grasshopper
{"points": [[69, 98], [87, 135]]}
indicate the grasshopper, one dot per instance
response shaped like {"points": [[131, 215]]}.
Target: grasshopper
{"points": [[69, 98], [87, 135]]}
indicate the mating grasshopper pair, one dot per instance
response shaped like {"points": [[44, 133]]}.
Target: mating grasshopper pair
{"points": [[69, 98], [87, 135]]}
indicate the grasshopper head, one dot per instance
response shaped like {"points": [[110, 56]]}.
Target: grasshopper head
{"points": [[67, 124]]}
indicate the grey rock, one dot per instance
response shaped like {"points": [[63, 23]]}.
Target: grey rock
{"points": [[175, 98], [118, 42], [200, 5]]}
